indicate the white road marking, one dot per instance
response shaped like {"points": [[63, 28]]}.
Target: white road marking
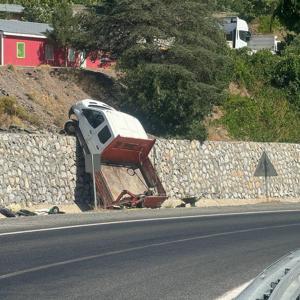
{"points": [[234, 292], [81, 259], [148, 220]]}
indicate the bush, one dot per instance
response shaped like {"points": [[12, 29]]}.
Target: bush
{"points": [[287, 76], [168, 100], [241, 72], [10, 107], [262, 65], [249, 69], [293, 47], [11, 68], [265, 24], [264, 119]]}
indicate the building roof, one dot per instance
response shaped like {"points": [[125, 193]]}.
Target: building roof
{"points": [[24, 28], [11, 8]]}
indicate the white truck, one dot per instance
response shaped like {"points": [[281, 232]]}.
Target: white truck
{"points": [[264, 42], [238, 36], [116, 150], [100, 124], [237, 32]]}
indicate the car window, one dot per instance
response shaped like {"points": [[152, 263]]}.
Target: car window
{"points": [[95, 118], [104, 135]]}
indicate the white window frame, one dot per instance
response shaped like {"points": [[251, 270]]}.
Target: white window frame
{"points": [[70, 50]]}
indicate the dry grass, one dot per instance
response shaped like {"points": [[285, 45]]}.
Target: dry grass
{"points": [[11, 113], [215, 130]]}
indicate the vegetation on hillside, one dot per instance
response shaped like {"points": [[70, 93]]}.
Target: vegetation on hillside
{"points": [[248, 9], [12, 112], [172, 57], [43, 11], [175, 67], [269, 111]]}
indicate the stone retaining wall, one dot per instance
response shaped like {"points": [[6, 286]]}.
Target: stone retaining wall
{"points": [[224, 170], [50, 169], [41, 169]]}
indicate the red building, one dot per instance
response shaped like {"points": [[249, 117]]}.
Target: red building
{"points": [[26, 44]]}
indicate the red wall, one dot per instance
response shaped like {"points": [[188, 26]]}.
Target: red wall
{"points": [[92, 64], [34, 53]]}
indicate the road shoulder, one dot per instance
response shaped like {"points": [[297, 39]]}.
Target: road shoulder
{"points": [[94, 218]]}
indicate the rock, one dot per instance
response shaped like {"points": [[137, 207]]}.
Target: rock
{"points": [[172, 203], [14, 207]]}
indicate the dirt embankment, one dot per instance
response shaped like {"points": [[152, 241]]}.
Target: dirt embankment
{"points": [[40, 98]]}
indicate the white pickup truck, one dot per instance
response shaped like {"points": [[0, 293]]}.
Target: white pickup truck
{"points": [[100, 124], [125, 175]]}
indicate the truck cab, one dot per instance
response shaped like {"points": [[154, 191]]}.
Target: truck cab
{"points": [[100, 124], [237, 32]]}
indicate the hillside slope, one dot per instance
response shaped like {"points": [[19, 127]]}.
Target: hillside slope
{"points": [[40, 98]]}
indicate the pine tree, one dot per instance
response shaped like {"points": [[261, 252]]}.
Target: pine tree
{"points": [[64, 26], [172, 55]]}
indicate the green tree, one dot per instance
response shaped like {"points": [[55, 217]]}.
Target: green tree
{"points": [[64, 26], [288, 12], [39, 10], [248, 9], [172, 57]]}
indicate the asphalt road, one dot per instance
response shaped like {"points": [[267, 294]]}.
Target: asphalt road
{"points": [[183, 258]]}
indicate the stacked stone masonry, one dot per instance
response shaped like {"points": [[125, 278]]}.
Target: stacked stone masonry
{"points": [[39, 169], [225, 170], [49, 169]]}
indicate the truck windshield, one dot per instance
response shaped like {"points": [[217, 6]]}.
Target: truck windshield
{"points": [[95, 118], [244, 35]]}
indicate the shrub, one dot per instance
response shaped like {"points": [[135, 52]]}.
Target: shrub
{"points": [[169, 100], [293, 47], [241, 72], [287, 76], [11, 68], [10, 107], [262, 65], [265, 24], [264, 119]]}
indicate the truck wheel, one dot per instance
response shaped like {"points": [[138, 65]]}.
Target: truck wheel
{"points": [[70, 127]]}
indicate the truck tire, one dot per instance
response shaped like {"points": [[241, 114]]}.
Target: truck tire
{"points": [[71, 112], [70, 127]]}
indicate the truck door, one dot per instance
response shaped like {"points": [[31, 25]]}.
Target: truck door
{"points": [[91, 120]]}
